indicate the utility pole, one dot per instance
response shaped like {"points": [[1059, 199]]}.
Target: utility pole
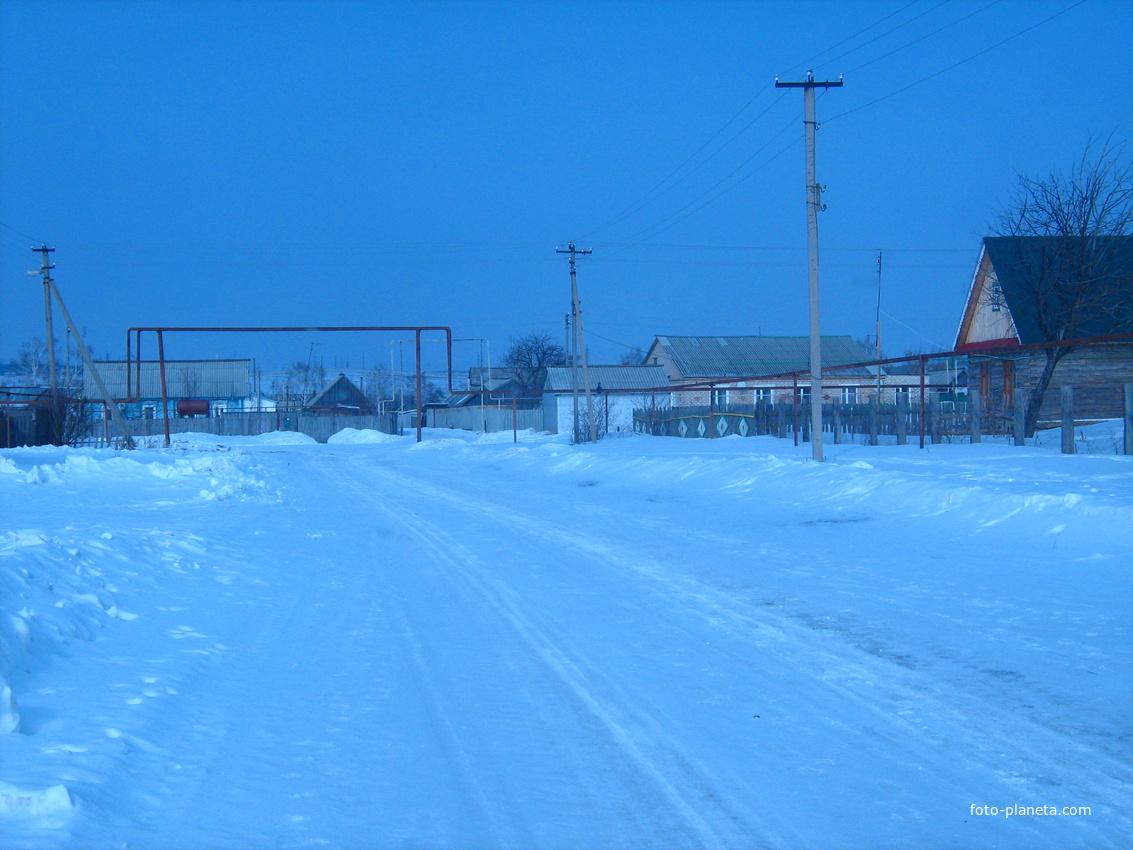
{"points": [[580, 341], [878, 329], [573, 374], [45, 271], [813, 206], [84, 352]]}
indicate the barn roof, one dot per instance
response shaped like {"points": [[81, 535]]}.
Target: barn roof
{"points": [[341, 392], [749, 356]]}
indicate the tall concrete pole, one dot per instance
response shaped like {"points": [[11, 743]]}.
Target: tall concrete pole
{"points": [[45, 270], [580, 340], [813, 205]]}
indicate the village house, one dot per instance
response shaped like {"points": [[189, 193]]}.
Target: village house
{"points": [[615, 392], [192, 387], [1005, 310], [694, 359], [341, 396]]}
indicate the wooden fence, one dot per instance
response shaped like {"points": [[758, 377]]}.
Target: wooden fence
{"points": [[318, 426], [485, 419]]}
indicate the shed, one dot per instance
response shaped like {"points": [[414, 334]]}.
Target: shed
{"points": [[615, 392], [341, 396]]}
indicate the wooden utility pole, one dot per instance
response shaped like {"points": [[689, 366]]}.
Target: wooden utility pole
{"points": [[813, 205], [580, 343]]}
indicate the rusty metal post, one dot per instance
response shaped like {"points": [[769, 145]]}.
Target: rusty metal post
{"points": [[902, 418], [420, 397], [922, 360], [164, 388], [795, 408]]}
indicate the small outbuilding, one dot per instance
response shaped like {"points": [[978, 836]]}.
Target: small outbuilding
{"points": [[614, 390], [341, 396]]}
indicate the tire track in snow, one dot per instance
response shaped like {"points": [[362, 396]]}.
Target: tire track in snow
{"points": [[971, 738], [711, 812]]}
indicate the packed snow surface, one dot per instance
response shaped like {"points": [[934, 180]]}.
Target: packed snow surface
{"points": [[469, 642]]}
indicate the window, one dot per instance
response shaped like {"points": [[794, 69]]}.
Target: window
{"points": [[804, 393], [761, 395], [719, 398], [849, 395]]}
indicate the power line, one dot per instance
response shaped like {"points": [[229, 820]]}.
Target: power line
{"points": [[809, 63], [923, 37], [20, 233], [955, 65], [645, 200], [652, 194], [717, 196], [887, 32]]}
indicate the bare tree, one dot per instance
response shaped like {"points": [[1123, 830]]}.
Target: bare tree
{"points": [[1071, 266], [528, 357], [634, 356]]}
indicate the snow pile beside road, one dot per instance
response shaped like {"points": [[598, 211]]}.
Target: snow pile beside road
{"points": [[352, 436], [59, 581]]}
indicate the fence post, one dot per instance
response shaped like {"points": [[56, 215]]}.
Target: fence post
{"points": [[975, 426], [1020, 417], [712, 412], [934, 418], [1129, 419], [873, 421], [921, 411], [837, 423], [902, 424], [1068, 420]]}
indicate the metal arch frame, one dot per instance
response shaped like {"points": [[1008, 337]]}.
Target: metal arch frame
{"points": [[136, 333]]}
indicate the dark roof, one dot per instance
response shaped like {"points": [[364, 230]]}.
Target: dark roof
{"points": [[751, 356], [609, 377], [1018, 260], [341, 392]]}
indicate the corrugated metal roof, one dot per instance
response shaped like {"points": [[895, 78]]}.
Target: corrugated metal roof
{"points": [[610, 377], [736, 356], [183, 378]]}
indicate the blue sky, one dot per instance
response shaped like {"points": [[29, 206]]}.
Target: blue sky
{"points": [[381, 163]]}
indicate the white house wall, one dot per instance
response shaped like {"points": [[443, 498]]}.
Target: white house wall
{"points": [[561, 409]]}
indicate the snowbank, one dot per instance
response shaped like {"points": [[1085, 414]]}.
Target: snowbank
{"points": [[354, 436]]}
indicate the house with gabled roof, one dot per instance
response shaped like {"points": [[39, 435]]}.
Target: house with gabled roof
{"points": [[615, 392], [755, 361], [341, 396], [191, 387], [1018, 298]]}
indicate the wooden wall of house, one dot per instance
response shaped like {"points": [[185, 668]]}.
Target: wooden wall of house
{"points": [[1096, 373]]}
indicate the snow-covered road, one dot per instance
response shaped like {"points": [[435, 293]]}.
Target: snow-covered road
{"points": [[648, 643]]}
